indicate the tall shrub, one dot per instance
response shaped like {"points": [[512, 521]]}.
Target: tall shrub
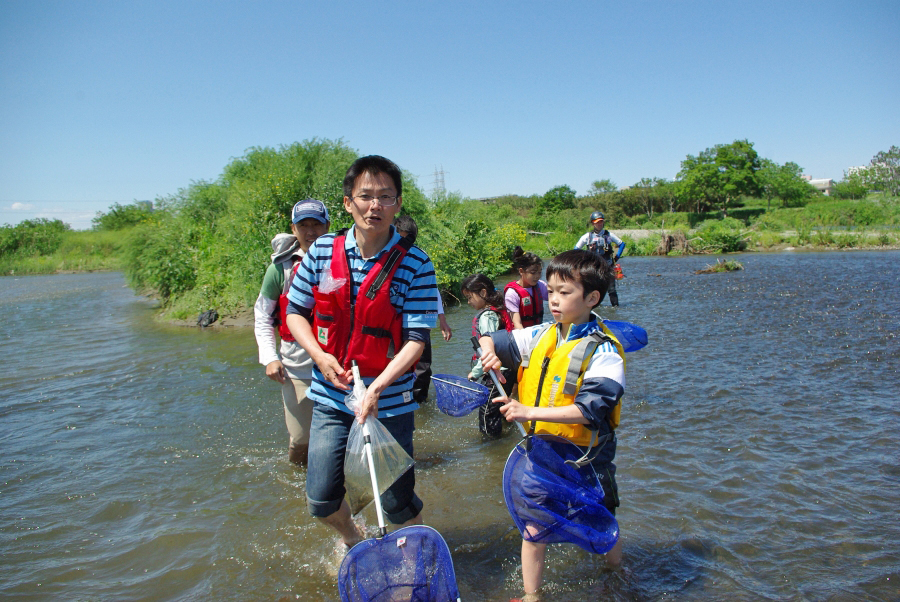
{"points": [[210, 243]]}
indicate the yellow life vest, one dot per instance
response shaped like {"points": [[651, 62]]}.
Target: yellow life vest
{"points": [[553, 374]]}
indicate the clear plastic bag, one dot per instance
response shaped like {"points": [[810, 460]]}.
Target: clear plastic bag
{"points": [[389, 458], [329, 284]]}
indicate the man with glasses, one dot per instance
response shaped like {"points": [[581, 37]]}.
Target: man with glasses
{"points": [[366, 295]]}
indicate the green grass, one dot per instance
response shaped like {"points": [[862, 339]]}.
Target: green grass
{"points": [[79, 251]]}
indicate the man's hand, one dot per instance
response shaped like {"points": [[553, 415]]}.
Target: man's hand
{"points": [[332, 370], [445, 328], [275, 371], [369, 406]]}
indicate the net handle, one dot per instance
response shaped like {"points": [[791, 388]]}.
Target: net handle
{"points": [[370, 458], [477, 346]]}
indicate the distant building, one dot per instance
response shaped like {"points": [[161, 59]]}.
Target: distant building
{"points": [[823, 185]]}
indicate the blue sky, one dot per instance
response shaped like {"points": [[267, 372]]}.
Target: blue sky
{"points": [[104, 102]]}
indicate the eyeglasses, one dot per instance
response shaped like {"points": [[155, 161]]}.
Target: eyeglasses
{"points": [[384, 200]]}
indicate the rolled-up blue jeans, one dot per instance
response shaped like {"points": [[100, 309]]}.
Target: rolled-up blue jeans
{"points": [[325, 491]]}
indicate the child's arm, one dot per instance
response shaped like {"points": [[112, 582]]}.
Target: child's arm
{"points": [[489, 359], [503, 349], [516, 411], [488, 322], [601, 388]]}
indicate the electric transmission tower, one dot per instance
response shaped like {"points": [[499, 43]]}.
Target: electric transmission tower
{"points": [[438, 191]]}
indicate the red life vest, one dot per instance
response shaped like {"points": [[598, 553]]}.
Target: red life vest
{"points": [[531, 305], [283, 304], [505, 322], [366, 329]]}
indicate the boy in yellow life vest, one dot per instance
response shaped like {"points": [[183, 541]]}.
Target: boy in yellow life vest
{"points": [[571, 376]]}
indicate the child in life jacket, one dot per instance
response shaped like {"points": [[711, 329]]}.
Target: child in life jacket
{"points": [[586, 410], [524, 297], [491, 316], [293, 367]]}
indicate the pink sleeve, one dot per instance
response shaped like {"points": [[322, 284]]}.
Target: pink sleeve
{"points": [[543, 288], [511, 299]]}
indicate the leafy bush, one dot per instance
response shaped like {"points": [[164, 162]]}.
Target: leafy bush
{"points": [[161, 259], [725, 236], [767, 239], [848, 240], [643, 246], [822, 237], [477, 248], [215, 236], [32, 237]]}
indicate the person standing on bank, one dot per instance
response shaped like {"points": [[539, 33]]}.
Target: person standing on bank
{"points": [[366, 294], [293, 367], [607, 245]]}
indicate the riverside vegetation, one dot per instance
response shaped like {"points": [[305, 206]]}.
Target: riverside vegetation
{"points": [[208, 244]]}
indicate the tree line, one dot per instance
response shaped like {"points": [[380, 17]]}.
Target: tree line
{"points": [[721, 178], [208, 244]]}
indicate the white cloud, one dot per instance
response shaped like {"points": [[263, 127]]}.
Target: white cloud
{"points": [[21, 207]]}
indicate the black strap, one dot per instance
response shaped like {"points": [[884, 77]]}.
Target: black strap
{"points": [[388, 267], [377, 332]]}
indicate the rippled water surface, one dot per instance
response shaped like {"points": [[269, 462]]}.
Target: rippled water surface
{"points": [[758, 451]]}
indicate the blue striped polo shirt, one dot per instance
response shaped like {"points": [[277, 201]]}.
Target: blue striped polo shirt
{"points": [[414, 295]]}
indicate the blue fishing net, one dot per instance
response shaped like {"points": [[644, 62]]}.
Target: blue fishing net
{"points": [[412, 563], [553, 502], [632, 336], [457, 396]]}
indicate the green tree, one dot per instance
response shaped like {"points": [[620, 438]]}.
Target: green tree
{"points": [[721, 175], [853, 186], [884, 170], [602, 187], [121, 216], [556, 199], [654, 195], [783, 182]]}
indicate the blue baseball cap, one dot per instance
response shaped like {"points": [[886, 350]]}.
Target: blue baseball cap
{"points": [[310, 208]]}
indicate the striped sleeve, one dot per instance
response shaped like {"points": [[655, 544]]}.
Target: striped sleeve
{"points": [[419, 304]]}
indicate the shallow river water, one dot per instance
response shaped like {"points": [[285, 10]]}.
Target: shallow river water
{"points": [[758, 459]]}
